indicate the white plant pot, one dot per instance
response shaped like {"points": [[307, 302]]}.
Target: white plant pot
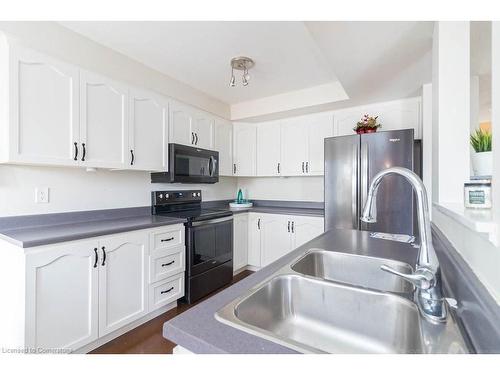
{"points": [[482, 163]]}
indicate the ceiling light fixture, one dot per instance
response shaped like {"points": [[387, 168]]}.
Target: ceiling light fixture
{"points": [[241, 63]]}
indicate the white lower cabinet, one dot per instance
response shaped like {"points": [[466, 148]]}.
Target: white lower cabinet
{"points": [[122, 280], [80, 291], [240, 241], [62, 296], [271, 236]]}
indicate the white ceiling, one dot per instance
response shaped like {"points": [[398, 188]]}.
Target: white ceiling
{"points": [[372, 60]]}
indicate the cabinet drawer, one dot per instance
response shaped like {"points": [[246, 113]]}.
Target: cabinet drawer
{"points": [[170, 237], [166, 262], [165, 292]]}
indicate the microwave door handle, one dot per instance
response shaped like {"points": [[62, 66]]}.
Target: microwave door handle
{"points": [[210, 166], [214, 168]]}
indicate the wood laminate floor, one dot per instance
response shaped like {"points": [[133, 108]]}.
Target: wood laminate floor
{"points": [[148, 338]]}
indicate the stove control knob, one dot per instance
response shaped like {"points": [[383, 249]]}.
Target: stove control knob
{"points": [[194, 194], [198, 194], [166, 196], [160, 196]]}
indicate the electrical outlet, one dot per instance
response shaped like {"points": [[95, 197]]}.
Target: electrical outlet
{"points": [[42, 195]]}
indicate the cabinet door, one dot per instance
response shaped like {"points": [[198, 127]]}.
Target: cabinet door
{"points": [[148, 132], [245, 150], [275, 238], [320, 126], [62, 296], [305, 228], [254, 245], [181, 124], [240, 245], [203, 131], [294, 147], [122, 280], [268, 149], [224, 144], [103, 121], [43, 111]]}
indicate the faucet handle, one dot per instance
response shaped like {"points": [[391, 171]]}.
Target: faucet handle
{"points": [[421, 279]]}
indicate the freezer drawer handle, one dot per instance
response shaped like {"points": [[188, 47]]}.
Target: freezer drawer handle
{"points": [[167, 291], [167, 239], [168, 264]]}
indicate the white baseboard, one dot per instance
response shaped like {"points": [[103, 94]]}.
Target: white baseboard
{"points": [[113, 335]]}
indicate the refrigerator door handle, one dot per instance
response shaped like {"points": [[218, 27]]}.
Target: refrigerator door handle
{"points": [[354, 189], [365, 160]]}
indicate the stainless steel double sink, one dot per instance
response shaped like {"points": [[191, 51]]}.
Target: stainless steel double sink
{"points": [[330, 302]]}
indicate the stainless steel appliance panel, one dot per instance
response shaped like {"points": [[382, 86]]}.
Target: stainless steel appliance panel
{"points": [[395, 202], [342, 182]]}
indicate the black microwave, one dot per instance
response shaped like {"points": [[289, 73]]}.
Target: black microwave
{"points": [[189, 165]]}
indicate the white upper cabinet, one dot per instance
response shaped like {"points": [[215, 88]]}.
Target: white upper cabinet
{"points": [[224, 144], [320, 126], [148, 132], [294, 134], [181, 124], [268, 149], [191, 127], [203, 129], [43, 113], [245, 150], [103, 121], [122, 280], [399, 114], [62, 296]]}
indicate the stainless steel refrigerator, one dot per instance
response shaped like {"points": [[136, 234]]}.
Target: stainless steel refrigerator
{"points": [[350, 164]]}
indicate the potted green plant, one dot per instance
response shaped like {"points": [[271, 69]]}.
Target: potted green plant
{"points": [[482, 161], [367, 124]]}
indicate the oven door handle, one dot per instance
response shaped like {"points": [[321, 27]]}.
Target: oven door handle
{"points": [[211, 221]]}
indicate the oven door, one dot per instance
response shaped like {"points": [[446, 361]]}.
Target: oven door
{"points": [[209, 243], [193, 165]]}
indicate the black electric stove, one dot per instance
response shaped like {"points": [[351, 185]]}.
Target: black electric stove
{"points": [[209, 240]]}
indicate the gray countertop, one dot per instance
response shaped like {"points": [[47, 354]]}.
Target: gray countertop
{"points": [[37, 230], [198, 331], [48, 234]]}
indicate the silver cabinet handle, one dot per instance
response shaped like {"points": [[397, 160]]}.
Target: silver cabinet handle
{"points": [[293, 226], [234, 168], [307, 167], [302, 167], [279, 168], [258, 223], [192, 138], [288, 226], [196, 137]]}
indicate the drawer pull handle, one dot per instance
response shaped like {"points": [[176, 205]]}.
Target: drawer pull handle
{"points": [[168, 264], [96, 257], [167, 239], [167, 291]]}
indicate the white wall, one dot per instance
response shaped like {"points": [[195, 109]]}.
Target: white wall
{"points": [[77, 190], [308, 189], [451, 110]]}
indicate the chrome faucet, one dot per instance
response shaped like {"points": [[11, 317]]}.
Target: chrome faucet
{"points": [[427, 275]]}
